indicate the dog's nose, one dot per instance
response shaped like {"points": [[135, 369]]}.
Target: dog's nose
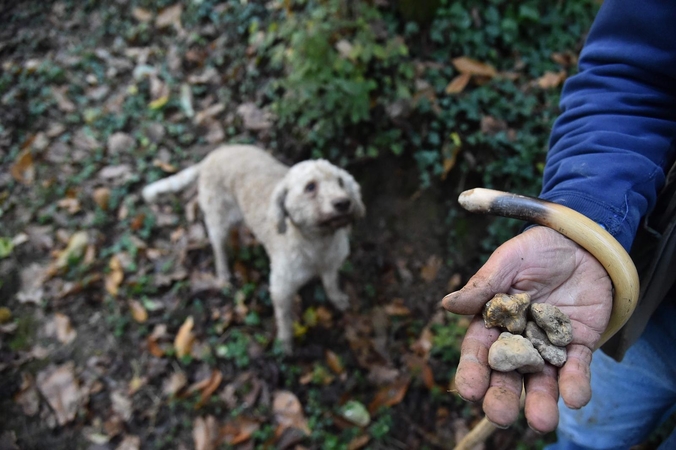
{"points": [[342, 205]]}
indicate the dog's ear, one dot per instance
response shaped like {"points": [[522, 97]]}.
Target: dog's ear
{"points": [[279, 197], [353, 188]]}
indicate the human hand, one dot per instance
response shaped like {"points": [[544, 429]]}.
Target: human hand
{"points": [[552, 269]]}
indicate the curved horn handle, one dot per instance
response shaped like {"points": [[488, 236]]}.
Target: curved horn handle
{"points": [[580, 229]]}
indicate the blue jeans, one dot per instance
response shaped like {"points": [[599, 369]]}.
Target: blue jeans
{"points": [[629, 399]]}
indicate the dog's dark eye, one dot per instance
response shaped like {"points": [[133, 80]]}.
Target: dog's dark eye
{"points": [[311, 186], [341, 183]]}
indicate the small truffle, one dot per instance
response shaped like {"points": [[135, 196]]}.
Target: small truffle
{"points": [[551, 353], [507, 311], [554, 322], [514, 352]]}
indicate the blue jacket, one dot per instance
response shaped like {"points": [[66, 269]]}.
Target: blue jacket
{"points": [[614, 140]]}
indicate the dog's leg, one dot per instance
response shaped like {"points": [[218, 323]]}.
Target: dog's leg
{"points": [[218, 234], [339, 298], [282, 291]]}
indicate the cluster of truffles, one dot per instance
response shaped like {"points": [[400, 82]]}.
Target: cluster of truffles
{"points": [[545, 328]]}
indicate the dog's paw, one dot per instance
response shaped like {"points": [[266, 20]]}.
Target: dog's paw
{"points": [[340, 300]]}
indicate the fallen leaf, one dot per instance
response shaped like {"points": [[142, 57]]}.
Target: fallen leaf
{"points": [[142, 15], [135, 384], [28, 397], [458, 84], [170, 16], [101, 197], [255, 119], [159, 332], [431, 268], [206, 386], [356, 413], [359, 442], [423, 345], [165, 166], [62, 101], [174, 384], [138, 312], [115, 276], [491, 126], [289, 412], [75, 249], [121, 405], [205, 433], [551, 79], [390, 395], [130, 442], [64, 331], [184, 338], [159, 103], [239, 430], [397, 308], [61, 389], [70, 204], [23, 169], [473, 67], [334, 362]]}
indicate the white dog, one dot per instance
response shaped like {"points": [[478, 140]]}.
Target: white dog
{"points": [[301, 215]]}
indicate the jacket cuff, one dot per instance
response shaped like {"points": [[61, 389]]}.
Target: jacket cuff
{"points": [[610, 218]]}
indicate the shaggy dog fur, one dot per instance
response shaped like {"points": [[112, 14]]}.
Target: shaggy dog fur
{"points": [[301, 215]]}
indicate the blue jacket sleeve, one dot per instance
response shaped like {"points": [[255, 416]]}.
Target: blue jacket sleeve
{"points": [[614, 139]]}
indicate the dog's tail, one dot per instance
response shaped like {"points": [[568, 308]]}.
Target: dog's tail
{"points": [[174, 183]]}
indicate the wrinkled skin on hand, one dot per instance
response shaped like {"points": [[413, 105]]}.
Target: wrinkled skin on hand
{"points": [[552, 269]]}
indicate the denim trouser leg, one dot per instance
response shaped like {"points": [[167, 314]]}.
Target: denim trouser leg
{"points": [[629, 399]]}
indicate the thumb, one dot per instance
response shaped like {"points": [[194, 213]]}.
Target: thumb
{"points": [[496, 276]]}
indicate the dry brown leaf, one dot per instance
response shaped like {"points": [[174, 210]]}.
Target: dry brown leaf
{"points": [[174, 384], [130, 442], [142, 15], [159, 332], [184, 338], [397, 308], [359, 442], [62, 101], [423, 345], [28, 397], [334, 362], [239, 430], [551, 79], [101, 197], [135, 384], [61, 389], [206, 386], [430, 270], [170, 16], [205, 433], [70, 204], [23, 169], [121, 405], [473, 67], [458, 84], [65, 333], [138, 312], [390, 395], [165, 166], [289, 412], [115, 276]]}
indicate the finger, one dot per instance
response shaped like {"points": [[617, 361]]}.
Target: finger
{"points": [[575, 377], [501, 404], [542, 393], [494, 277], [473, 374]]}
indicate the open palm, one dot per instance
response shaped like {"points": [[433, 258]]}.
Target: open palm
{"points": [[552, 269]]}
